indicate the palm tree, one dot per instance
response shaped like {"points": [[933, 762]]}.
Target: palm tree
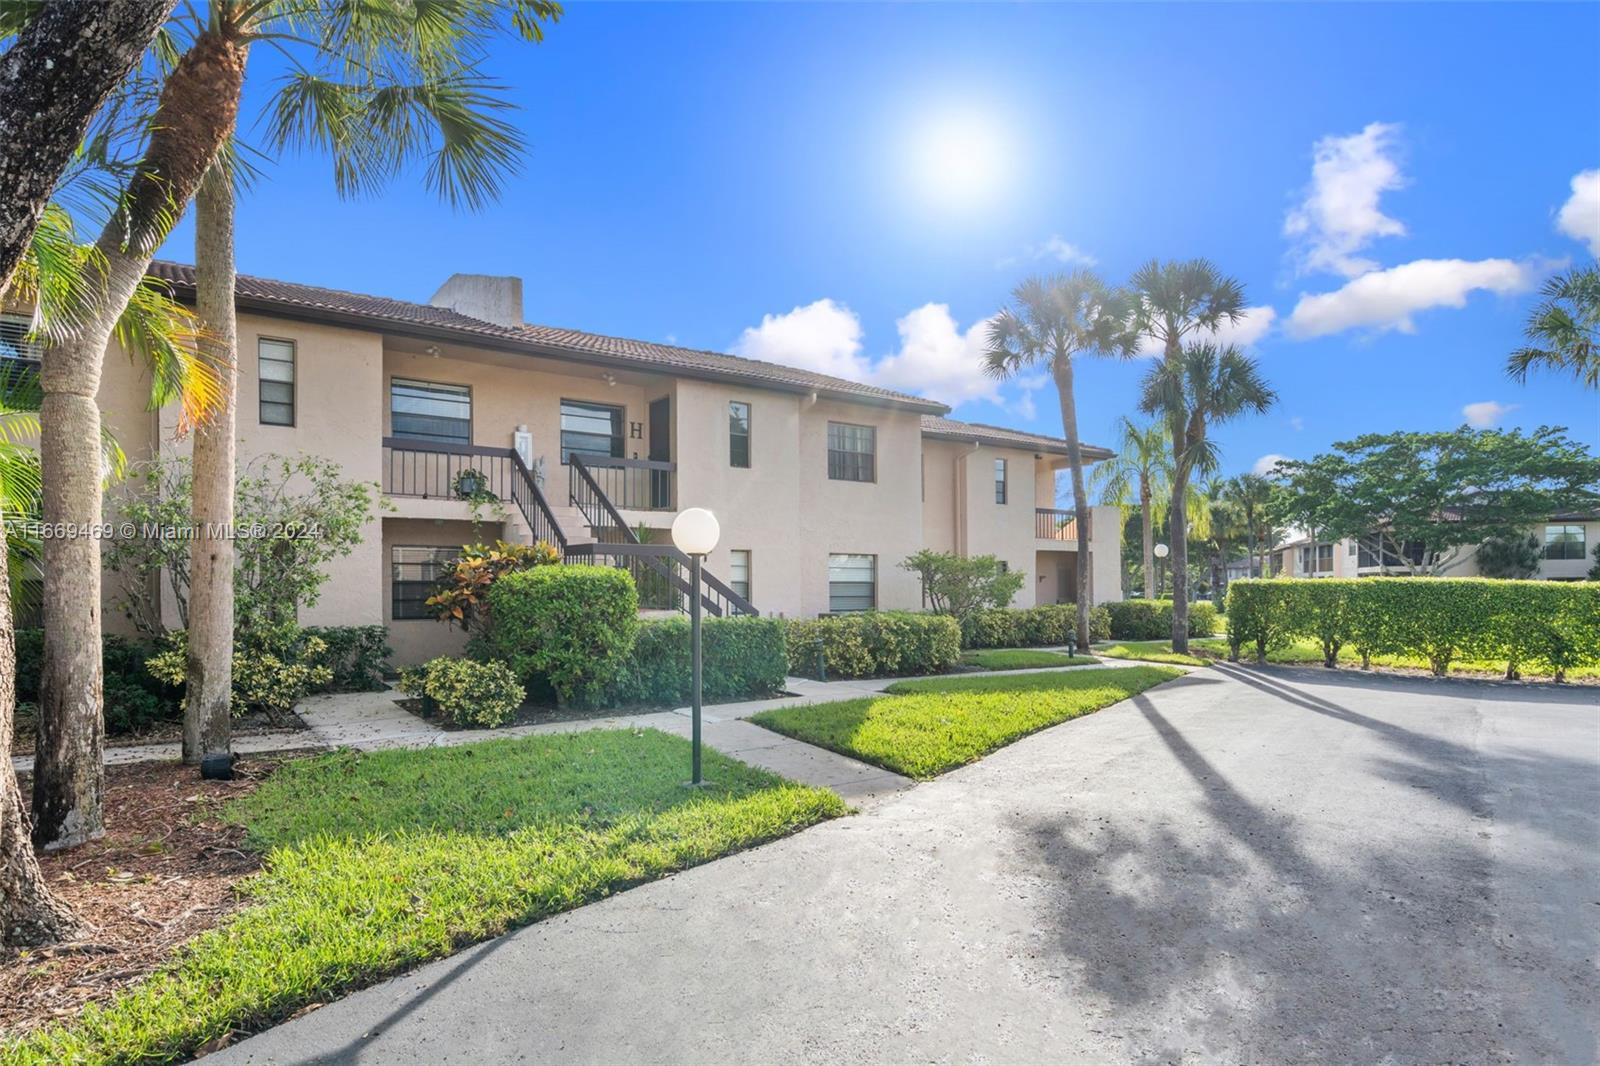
{"points": [[30, 913], [1172, 302], [1564, 330], [377, 90], [1137, 476], [1207, 386], [1054, 320], [1252, 495]]}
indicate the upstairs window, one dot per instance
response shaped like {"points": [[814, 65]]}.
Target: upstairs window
{"points": [[590, 429], [999, 481], [852, 452], [276, 373], [415, 573], [1565, 542], [428, 410], [19, 354], [852, 583], [739, 435]]}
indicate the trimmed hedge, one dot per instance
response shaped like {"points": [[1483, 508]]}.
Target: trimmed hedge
{"points": [[1553, 624], [1046, 625], [464, 692], [570, 626], [874, 644], [1152, 619], [743, 659]]}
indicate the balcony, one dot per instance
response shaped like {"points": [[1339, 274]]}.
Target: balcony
{"points": [[630, 484], [1052, 524]]}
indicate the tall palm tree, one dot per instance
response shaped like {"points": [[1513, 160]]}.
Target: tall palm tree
{"points": [[1172, 302], [1208, 385], [377, 89], [1053, 321], [1564, 330]]}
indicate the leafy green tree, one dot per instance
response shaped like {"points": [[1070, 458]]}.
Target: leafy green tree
{"points": [[1205, 386], [959, 586], [1563, 331], [1137, 476], [1437, 492], [1510, 555], [1174, 301], [1053, 321], [1251, 495]]}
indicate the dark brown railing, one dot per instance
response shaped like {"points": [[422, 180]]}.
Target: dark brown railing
{"points": [[630, 484], [1051, 524], [433, 471], [659, 570]]}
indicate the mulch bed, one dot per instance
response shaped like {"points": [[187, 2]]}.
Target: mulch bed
{"points": [[164, 872]]}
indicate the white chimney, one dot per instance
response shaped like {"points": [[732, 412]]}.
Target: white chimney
{"points": [[482, 296]]}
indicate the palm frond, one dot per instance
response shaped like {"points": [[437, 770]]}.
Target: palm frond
{"points": [[168, 336]]}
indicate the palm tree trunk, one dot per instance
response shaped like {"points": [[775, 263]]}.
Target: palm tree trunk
{"points": [[30, 914], [52, 80], [1080, 496], [198, 105], [1178, 525], [207, 715], [1147, 513]]}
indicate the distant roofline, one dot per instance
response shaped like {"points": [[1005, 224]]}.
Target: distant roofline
{"points": [[951, 429]]}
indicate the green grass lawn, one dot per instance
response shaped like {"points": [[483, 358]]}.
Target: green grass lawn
{"points": [[1020, 659], [923, 728], [378, 862], [1155, 651]]}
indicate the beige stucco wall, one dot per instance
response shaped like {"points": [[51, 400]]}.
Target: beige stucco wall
{"points": [[416, 640]]}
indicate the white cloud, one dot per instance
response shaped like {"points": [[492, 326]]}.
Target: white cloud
{"points": [[1579, 217], [1386, 299], [1297, 423], [937, 359], [1063, 251], [1340, 215], [823, 336], [1254, 323], [1486, 414], [1267, 464]]}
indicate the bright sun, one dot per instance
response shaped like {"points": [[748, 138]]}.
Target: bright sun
{"points": [[960, 159]]}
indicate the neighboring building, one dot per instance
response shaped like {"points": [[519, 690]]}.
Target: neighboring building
{"points": [[1567, 540], [822, 486]]}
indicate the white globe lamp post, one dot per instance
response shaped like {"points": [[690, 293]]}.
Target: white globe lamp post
{"points": [[695, 532]]}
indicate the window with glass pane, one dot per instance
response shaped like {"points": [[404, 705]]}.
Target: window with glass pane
{"points": [[852, 582], [1564, 542], [738, 434], [999, 481], [415, 574], [852, 452], [739, 571], [19, 353], [590, 429], [428, 410], [277, 381]]}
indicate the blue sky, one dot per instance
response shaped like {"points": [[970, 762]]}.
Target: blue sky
{"points": [[857, 187]]}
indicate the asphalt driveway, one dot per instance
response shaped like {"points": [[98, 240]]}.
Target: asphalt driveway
{"points": [[1263, 866]]}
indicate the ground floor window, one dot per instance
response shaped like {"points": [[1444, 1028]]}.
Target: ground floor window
{"points": [[415, 574], [739, 571], [852, 583]]}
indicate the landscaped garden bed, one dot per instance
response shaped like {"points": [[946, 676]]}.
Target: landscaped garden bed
{"points": [[924, 728], [373, 863]]}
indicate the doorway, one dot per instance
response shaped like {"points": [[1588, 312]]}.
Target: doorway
{"points": [[661, 452]]}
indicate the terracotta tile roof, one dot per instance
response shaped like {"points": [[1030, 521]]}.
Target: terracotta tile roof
{"points": [[358, 309], [941, 428]]}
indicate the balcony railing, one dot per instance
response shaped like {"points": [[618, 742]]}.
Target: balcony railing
{"points": [[433, 471], [630, 484], [1051, 524]]}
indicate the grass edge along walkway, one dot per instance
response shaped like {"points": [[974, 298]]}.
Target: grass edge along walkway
{"points": [[924, 728], [379, 862], [1021, 659]]}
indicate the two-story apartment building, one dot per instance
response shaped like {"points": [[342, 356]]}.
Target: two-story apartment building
{"points": [[822, 486]]}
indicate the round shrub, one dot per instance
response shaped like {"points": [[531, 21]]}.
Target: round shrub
{"points": [[572, 626], [464, 692]]}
